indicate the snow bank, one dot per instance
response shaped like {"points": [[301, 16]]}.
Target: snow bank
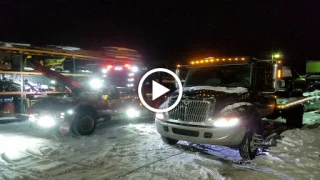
{"points": [[297, 153], [238, 90], [234, 106], [313, 93]]}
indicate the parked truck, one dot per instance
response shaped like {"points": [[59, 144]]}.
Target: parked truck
{"points": [[225, 99]]}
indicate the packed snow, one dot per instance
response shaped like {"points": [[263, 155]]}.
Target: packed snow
{"points": [[238, 90], [133, 150]]}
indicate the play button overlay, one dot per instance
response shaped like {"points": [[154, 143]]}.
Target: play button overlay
{"points": [[159, 90]]}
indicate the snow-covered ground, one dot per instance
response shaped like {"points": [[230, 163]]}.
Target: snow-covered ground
{"points": [[133, 150]]}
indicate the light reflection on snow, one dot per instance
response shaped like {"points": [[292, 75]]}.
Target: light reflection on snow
{"points": [[270, 157], [14, 146], [213, 151]]}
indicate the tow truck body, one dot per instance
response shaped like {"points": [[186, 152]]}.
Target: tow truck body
{"points": [[86, 102], [224, 101]]}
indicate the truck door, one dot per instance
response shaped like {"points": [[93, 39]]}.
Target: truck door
{"points": [[264, 99], [298, 84], [109, 101]]}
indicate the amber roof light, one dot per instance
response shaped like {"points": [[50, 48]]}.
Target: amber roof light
{"points": [[211, 60]]}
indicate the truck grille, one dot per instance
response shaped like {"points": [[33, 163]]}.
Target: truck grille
{"points": [[190, 111]]}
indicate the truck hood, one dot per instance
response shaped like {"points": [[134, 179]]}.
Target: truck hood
{"points": [[211, 90], [59, 104], [220, 97]]}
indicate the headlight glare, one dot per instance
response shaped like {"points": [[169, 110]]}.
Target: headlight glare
{"points": [[226, 122], [96, 83], [46, 122], [70, 111], [132, 113]]}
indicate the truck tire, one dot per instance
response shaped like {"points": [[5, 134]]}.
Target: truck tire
{"points": [[169, 141], [247, 148], [294, 117], [85, 123]]}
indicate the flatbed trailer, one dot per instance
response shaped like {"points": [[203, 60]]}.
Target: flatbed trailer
{"points": [[18, 53]]}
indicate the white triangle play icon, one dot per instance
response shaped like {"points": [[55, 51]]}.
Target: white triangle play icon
{"points": [[158, 90]]}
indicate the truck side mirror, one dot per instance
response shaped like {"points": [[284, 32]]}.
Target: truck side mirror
{"points": [[178, 74]]}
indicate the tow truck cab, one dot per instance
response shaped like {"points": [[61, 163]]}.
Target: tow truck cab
{"points": [[225, 99]]}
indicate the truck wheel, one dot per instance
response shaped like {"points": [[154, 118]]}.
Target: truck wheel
{"points": [[169, 141], [294, 117], [247, 148], [85, 123]]}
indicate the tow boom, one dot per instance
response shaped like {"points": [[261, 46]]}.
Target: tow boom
{"points": [[47, 72]]}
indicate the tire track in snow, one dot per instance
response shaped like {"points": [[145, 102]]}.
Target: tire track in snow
{"points": [[38, 165], [148, 164], [42, 157]]}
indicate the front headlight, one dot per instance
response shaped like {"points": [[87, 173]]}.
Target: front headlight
{"points": [[133, 113], [226, 122], [96, 83], [70, 111], [46, 121], [160, 116]]}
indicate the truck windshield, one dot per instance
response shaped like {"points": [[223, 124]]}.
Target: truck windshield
{"points": [[223, 76]]}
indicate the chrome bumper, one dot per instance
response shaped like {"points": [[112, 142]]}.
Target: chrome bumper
{"points": [[202, 135]]}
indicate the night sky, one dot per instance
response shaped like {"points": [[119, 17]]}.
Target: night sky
{"points": [[171, 31]]}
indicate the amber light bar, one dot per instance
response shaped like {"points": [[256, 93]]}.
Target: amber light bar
{"points": [[283, 106], [218, 60]]}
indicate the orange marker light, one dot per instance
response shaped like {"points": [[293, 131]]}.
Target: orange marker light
{"points": [[192, 62], [279, 74], [178, 65], [126, 65], [197, 62], [201, 61], [236, 59], [230, 59], [223, 59], [211, 60], [217, 59], [207, 61], [109, 66], [242, 59]]}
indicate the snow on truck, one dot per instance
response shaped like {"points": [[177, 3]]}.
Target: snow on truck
{"points": [[225, 99], [102, 97]]}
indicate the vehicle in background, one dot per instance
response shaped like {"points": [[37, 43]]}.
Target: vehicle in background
{"points": [[225, 99], [103, 96], [313, 74]]}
